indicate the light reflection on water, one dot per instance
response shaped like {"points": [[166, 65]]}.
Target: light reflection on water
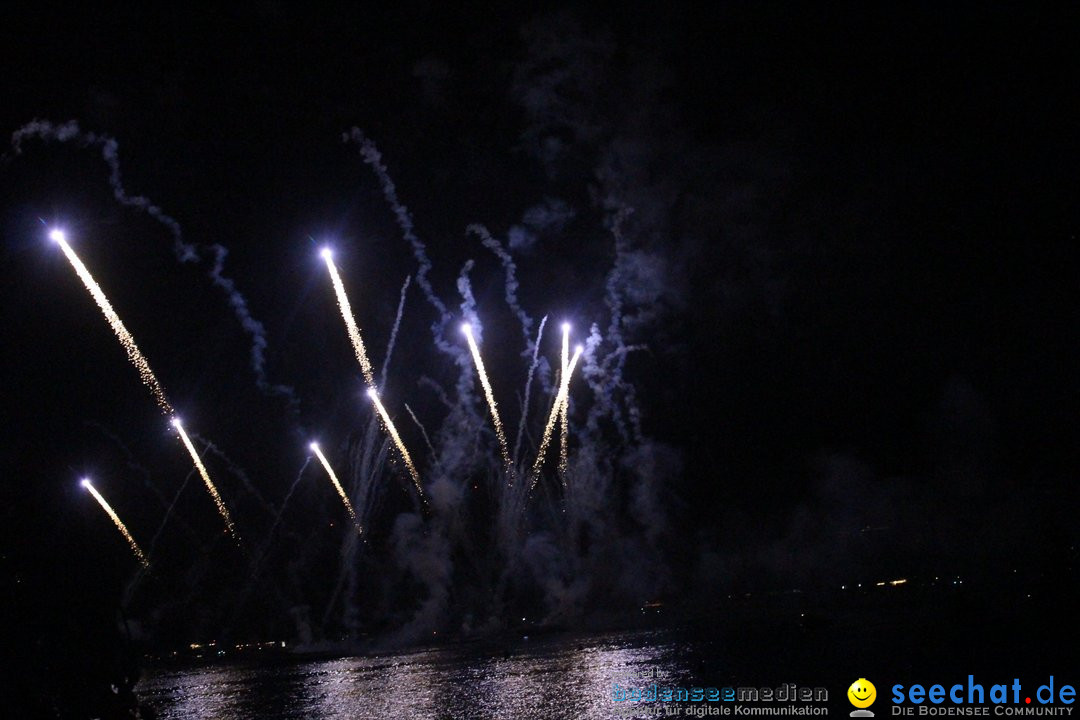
{"points": [[551, 679]]}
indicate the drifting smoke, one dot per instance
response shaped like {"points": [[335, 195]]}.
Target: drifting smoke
{"points": [[427, 558], [547, 218]]}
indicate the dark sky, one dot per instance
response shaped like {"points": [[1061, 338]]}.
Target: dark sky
{"points": [[854, 228]]}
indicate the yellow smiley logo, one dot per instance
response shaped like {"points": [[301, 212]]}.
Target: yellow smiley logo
{"points": [[862, 693]]}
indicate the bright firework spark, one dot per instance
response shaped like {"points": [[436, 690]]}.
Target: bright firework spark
{"points": [[347, 316], [224, 511], [564, 391], [495, 420], [122, 334], [392, 430], [564, 409], [337, 485], [116, 520]]}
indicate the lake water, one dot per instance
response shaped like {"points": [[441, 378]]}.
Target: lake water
{"points": [[553, 678], [558, 677]]}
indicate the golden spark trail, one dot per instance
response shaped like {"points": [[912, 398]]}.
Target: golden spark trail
{"points": [[350, 322], [564, 391], [134, 354], [224, 511], [337, 486], [564, 410], [116, 520], [397, 441], [495, 420], [365, 367]]}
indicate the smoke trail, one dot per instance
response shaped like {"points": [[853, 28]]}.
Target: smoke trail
{"points": [[616, 283], [237, 471], [129, 459], [423, 431], [281, 513], [605, 374], [257, 563], [528, 390], [614, 301], [394, 332], [222, 510], [367, 463], [373, 158], [594, 376], [70, 131], [134, 354], [438, 389], [468, 312], [253, 327], [169, 512], [116, 520], [510, 282], [186, 252]]}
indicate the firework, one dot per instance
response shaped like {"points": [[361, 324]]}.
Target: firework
{"points": [[224, 511], [116, 521], [560, 398], [337, 485], [495, 420], [392, 430], [564, 408], [134, 354], [347, 316]]}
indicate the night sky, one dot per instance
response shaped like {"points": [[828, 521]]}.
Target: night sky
{"points": [[851, 263]]}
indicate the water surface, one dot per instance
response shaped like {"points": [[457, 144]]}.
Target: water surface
{"points": [[554, 678]]}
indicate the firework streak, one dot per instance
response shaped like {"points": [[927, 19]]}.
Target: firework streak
{"points": [[134, 354], [222, 510], [116, 520], [495, 420], [337, 485], [564, 390]]}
